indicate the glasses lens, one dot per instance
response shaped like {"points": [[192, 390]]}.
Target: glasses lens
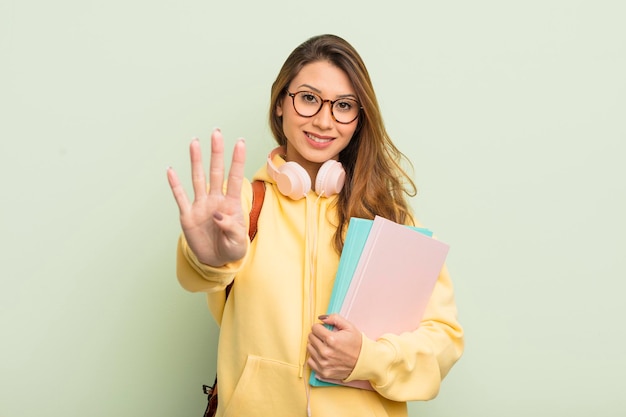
{"points": [[345, 110], [308, 104]]}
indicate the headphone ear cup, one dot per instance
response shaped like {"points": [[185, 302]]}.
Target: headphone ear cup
{"points": [[330, 178], [293, 181]]}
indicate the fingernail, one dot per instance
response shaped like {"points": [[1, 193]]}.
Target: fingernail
{"points": [[323, 317], [217, 129], [218, 216]]}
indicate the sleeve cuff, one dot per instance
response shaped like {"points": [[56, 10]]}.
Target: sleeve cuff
{"points": [[222, 275], [373, 362]]}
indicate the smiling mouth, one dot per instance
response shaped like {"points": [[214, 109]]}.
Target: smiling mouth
{"points": [[317, 139]]}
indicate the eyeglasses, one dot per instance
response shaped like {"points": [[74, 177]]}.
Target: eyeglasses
{"points": [[308, 104]]}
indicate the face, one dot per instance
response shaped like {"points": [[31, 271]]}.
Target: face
{"points": [[317, 139]]}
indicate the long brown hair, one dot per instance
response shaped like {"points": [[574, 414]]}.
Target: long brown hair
{"points": [[376, 182]]}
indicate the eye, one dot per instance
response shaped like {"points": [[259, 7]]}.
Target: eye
{"points": [[309, 98], [345, 105]]}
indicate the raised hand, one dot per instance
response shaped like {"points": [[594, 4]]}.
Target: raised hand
{"points": [[213, 223]]}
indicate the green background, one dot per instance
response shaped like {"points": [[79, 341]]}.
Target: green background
{"points": [[513, 113]]}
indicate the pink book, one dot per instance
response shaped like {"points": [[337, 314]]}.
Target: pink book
{"points": [[393, 282]]}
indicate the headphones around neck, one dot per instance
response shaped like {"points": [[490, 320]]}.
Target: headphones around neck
{"points": [[294, 182]]}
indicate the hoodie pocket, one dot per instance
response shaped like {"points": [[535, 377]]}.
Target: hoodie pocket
{"points": [[267, 388]]}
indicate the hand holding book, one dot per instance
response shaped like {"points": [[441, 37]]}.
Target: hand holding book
{"points": [[335, 351]]}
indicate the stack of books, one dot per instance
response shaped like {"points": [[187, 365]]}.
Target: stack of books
{"points": [[386, 275]]}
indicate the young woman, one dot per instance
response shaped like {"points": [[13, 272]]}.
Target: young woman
{"points": [[334, 161]]}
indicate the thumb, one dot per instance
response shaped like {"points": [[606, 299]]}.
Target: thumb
{"points": [[335, 320]]}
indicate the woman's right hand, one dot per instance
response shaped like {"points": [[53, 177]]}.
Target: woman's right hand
{"points": [[213, 223]]}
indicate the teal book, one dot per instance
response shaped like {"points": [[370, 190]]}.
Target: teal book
{"points": [[356, 236]]}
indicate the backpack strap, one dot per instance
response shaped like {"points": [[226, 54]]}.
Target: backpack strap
{"points": [[258, 195]]}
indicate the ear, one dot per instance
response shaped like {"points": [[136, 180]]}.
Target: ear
{"points": [[279, 108]]}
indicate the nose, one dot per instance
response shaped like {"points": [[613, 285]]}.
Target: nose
{"points": [[324, 118]]}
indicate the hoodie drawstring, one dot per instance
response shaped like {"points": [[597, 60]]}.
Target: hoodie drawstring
{"points": [[312, 223]]}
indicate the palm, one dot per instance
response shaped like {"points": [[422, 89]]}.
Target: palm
{"points": [[213, 223]]}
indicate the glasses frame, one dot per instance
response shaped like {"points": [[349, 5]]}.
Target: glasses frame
{"points": [[332, 103]]}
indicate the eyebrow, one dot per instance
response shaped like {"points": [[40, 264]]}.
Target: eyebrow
{"points": [[318, 91]]}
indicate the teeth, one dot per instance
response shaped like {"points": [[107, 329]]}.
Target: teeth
{"points": [[316, 139]]}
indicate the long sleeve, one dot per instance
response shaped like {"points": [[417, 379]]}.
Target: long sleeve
{"points": [[411, 366], [195, 276]]}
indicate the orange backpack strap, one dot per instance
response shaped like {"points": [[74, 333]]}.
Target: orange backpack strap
{"points": [[258, 194]]}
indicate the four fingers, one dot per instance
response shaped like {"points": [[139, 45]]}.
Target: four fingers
{"points": [[216, 172]]}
